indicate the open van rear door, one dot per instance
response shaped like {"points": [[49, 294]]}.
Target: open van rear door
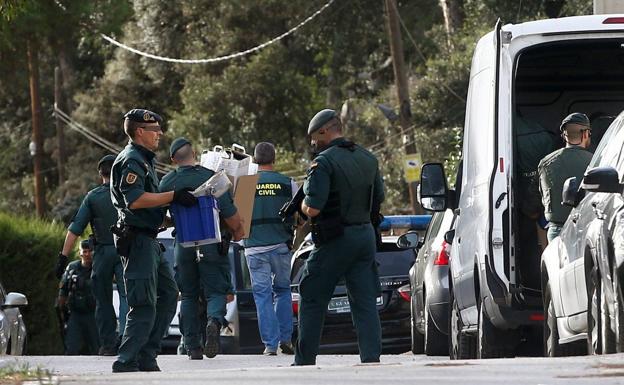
{"points": [[500, 261]]}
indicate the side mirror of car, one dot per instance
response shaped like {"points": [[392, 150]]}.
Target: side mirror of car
{"points": [[449, 236], [602, 179], [570, 192], [409, 240], [15, 300], [433, 194]]}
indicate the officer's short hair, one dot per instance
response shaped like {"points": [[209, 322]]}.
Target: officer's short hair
{"points": [[130, 127], [574, 132], [334, 125], [264, 153], [105, 169]]}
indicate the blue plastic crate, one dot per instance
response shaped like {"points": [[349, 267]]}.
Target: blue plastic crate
{"points": [[197, 225]]}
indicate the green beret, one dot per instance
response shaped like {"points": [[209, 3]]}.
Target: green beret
{"points": [[575, 118], [143, 116], [106, 159], [177, 144], [320, 119], [86, 244]]}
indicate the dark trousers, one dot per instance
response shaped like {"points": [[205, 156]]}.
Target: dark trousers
{"points": [[81, 335], [106, 265], [209, 278], [351, 256], [152, 294]]}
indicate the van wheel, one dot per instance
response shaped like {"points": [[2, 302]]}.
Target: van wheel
{"points": [[436, 343], [600, 337], [552, 348], [417, 338], [461, 345], [492, 342]]}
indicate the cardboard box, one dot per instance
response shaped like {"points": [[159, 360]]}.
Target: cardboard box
{"points": [[244, 195]]}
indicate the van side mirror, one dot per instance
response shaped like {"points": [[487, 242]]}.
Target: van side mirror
{"points": [[570, 193], [409, 240], [602, 179], [433, 188], [14, 300]]}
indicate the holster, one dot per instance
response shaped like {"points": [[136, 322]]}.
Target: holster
{"points": [[224, 246], [325, 229], [123, 236]]}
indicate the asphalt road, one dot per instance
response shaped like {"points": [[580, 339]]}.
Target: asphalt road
{"points": [[338, 369]]}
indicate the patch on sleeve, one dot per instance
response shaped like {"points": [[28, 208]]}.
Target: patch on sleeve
{"points": [[131, 178]]}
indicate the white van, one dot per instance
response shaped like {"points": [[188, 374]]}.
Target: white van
{"points": [[537, 72]]}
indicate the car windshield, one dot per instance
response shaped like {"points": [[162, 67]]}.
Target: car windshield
{"points": [[394, 261]]}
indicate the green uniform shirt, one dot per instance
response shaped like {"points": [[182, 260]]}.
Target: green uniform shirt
{"points": [[553, 171], [192, 177], [344, 181], [98, 210], [273, 190], [77, 288], [132, 175]]}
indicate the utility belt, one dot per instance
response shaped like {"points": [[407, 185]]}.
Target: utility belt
{"points": [[325, 229], [125, 234]]}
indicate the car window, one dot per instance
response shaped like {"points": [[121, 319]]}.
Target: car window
{"points": [[393, 261], [606, 153], [246, 277], [434, 226], [168, 254], [2, 294]]}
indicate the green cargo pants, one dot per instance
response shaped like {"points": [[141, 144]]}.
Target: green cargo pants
{"points": [[351, 256], [106, 264], [210, 278], [152, 295], [81, 331]]}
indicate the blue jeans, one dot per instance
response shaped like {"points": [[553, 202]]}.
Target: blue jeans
{"points": [[270, 282]]}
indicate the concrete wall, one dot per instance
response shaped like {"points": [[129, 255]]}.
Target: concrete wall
{"points": [[602, 7]]}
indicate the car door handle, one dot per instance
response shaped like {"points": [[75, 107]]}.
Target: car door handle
{"points": [[575, 217]]}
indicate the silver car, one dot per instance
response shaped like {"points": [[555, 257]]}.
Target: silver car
{"points": [[12, 327]]}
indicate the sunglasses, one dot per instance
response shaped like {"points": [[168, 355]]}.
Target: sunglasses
{"points": [[152, 128]]}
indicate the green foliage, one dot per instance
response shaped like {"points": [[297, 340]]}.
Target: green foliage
{"points": [[28, 249]]}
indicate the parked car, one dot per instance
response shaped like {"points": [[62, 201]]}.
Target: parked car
{"points": [[518, 72], [582, 271], [429, 288], [241, 335], [13, 334], [393, 304]]}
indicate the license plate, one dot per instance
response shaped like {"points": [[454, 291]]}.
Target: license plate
{"points": [[341, 304]]}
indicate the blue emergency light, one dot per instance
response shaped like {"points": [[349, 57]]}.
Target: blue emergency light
{"points": [[411, 222]]}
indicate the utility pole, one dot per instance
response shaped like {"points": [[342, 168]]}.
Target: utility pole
{"points": [[37, 137], [400, 78], [60, 135]]}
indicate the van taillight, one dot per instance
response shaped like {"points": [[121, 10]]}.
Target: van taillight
{"points": [[443, 256], [614, 20]]}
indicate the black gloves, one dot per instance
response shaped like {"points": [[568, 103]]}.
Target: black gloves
{"points": [[184, 197], [61, 264]]}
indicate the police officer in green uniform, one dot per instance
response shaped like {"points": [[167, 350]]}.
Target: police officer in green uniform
{"points": [[76, 293], [268, 253], [97, 209], [211, 273], [556, 167], [150, 288], [343, 193]]}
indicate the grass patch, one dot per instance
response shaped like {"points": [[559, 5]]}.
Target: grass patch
{"points": [[16, 374]]}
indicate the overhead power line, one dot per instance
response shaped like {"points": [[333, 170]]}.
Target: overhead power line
{"points": [[100, 141], [220, 58]]}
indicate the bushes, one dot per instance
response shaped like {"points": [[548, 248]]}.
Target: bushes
{"points": [[28, 249]]}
